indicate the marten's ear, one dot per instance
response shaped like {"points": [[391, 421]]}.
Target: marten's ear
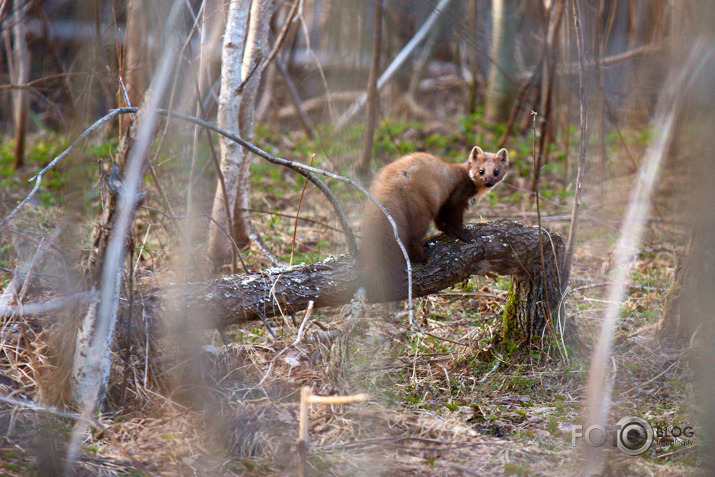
{"points": [[476, 154], [503, 156]]}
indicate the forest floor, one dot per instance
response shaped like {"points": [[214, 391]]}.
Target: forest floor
{"points": [[445, 403]]}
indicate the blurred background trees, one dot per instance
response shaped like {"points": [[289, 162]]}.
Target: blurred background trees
{"points": [[66, 62], [496, 54]]}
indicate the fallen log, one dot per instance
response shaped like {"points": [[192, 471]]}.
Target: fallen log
{"points": [[503, 247]]}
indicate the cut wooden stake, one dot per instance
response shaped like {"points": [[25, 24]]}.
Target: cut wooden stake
{"points": [[306, 397], [303, 429]]}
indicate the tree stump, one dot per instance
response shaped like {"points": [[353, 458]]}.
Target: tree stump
{"points": [[534, 299]]}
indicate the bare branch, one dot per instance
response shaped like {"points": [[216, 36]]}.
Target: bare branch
{"points": [[47, 306], [537, 174], [35, 82]]}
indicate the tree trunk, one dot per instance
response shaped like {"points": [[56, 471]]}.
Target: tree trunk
{"points": [[212, 28], [232, 154], [111, 182], [694, 277], [690, 301], [136, 55], [372, 96], [504, 247], [21, 75], [247, 29], [502, 75]]}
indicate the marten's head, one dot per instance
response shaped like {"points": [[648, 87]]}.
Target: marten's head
{"points": [[487, 169]]}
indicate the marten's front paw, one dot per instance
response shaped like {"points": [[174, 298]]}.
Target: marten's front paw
{"points": [[462, 234], [418, 254]]}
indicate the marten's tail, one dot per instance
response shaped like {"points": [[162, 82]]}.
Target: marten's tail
{"points": [[382, 262]]}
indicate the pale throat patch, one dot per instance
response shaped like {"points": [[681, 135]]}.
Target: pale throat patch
{"points": [[480, 193]]}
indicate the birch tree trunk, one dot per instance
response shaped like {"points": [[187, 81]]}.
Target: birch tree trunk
{"points": [[244, 43]]}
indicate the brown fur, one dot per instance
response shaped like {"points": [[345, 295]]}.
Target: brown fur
{"points": [[417, 189]]}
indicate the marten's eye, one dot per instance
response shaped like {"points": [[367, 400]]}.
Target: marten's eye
{"points": [[481, 172], [496, 173]]}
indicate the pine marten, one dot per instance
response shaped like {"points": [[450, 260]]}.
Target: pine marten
{"points": [[417, 189]]}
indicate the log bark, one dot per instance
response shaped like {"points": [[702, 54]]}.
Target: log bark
{"points": [[504, 247]]}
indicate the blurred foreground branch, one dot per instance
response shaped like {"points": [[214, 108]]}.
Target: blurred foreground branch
{"points": [[601, 375]]}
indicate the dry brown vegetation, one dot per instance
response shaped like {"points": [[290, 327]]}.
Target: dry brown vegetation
{"points": [[457, 399]]}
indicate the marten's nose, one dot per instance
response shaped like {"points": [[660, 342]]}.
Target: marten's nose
{"points": [[488, 183]]}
